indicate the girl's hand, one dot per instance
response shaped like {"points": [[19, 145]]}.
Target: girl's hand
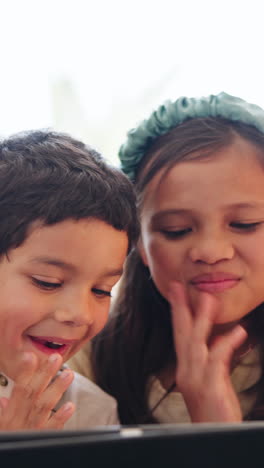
{"points": [[203, 370], [34, 396]]}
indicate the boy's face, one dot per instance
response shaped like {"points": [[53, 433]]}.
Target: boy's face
{"points": [[55, 288], [204, 226]]}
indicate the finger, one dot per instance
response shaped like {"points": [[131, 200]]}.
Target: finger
{"points": [[20, 392], [42, 406], [3, 405], [33, 378], [195, 357], [14, 414], [224, 346], [3, 402], [181, 315], [27, 367], [45, 372], [204, 319], [59, 419]]}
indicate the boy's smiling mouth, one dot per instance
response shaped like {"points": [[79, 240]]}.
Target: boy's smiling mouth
{"points": [[51, 344]]}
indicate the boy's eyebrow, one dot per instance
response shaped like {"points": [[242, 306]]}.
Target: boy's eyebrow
{"points": [[68, 266], [117, 272], [53, 261]]}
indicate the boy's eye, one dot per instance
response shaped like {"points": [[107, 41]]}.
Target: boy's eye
{"points": [[176, 234], [245, 226], [45, 284], [101, 292]]}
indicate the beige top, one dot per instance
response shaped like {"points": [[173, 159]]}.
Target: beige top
{"points": [[173, 409], [93, 406]]}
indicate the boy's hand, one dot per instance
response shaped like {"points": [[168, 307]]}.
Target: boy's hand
{"points": [[34, 397], [203, 370]]}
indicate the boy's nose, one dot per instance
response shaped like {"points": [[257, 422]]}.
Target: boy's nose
{"points": [[211, 250], [75, 313]]}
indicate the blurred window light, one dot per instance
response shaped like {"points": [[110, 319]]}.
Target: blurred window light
{"points": [[94, 69]]}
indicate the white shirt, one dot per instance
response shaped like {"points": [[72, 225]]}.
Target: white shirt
{"points": [[94, 407]]}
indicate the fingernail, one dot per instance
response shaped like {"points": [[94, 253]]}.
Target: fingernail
{"points": [[54, 358], [28, 357], [3, 402], [66, 374], [68, 406]]}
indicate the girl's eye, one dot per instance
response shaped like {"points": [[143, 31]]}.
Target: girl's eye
{"points": [[101, 292], [45, 284], [245, 226], [176, 234]]}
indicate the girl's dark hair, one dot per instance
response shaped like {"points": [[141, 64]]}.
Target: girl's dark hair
{"points": [[137, 342], [51, 177]]}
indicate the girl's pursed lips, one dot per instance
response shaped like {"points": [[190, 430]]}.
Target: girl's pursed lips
{"points": [[215, 282], [214, 277]]}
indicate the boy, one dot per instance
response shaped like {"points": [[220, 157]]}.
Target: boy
{"points": [[67, 223]]}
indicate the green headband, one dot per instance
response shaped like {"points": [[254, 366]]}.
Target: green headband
{"points": [[170, 114]]}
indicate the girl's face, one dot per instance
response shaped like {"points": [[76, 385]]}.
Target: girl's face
{"points": [[55, 289], [203, 225]]}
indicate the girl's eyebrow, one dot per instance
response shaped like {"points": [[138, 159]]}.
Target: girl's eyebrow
{"points": [[161, 214], [179, 211], [158, 217], [68, 266], [254, 204]]}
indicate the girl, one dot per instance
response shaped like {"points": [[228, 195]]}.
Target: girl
{"points": [[185, 339]]}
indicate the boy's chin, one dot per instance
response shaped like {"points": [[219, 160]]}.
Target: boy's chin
{"points": [[10, 369]]}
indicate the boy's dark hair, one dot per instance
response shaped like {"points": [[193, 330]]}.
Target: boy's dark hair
{"points": [[49, 176]]}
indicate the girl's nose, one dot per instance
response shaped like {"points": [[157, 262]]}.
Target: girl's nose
{"points": [[211, 250]]}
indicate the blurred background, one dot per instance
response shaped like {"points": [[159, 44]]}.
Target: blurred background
{"points": [[96, 68]]}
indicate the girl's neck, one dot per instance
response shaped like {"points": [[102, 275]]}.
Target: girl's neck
{"points": [[167, 376]]}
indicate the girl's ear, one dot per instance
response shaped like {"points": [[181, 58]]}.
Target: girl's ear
{"points": [[142, 252]]}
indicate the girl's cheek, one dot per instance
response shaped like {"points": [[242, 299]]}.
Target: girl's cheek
{"points": [[162, 257]]}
